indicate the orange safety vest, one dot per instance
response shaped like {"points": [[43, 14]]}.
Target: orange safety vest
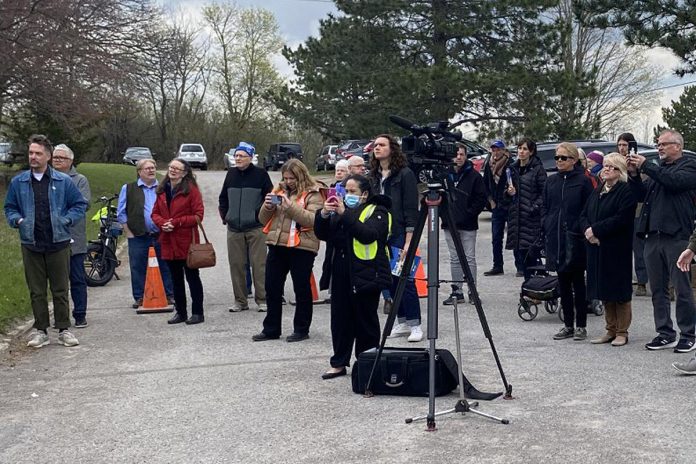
{"points": [[294, 235]]}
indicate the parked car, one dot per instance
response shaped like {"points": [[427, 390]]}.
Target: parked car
{"points": [[547, 150], [279, 153], [349, 148], [194, 154], [6, 156], [134, 154], [653, 156], [326, 159], [229, 162]]}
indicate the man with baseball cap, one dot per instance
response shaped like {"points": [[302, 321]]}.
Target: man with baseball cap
{"points": [[496, 181], [242, 195]]}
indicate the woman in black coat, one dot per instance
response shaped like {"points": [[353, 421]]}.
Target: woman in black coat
{"points": [[524, 220], [357, 228], [607, 223], [565, 196]]}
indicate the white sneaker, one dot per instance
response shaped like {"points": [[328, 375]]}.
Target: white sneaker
{"points": [[235, 308], [416, 334], [262, 307], [67, 339], [38, 339], [399, 330]]}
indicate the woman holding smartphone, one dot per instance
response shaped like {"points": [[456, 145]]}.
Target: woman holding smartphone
{"points": [[390, 176], [288, 215], [356, 228]]}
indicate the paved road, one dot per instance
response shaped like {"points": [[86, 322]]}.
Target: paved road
{"points": [[139, 391]]}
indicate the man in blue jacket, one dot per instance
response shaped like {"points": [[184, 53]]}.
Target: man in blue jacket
{"points": [[43, 203]]}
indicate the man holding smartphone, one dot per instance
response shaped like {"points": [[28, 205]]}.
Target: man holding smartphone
{"points": [[666, 222], [242, 195]]}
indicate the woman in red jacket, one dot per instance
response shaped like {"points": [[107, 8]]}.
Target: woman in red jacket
{"points": [[178, 207]]}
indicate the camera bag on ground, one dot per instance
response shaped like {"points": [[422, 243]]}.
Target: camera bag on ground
{"points": [[404, 372]]}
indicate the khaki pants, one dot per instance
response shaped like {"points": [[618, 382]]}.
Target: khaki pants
{"points": [[237, 245], [618, 317], [41, 269]]}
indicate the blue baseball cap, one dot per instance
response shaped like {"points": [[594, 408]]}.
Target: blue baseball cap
{"points": [[245, 147], [498, 144]]}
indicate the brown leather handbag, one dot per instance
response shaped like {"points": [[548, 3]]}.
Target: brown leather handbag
{"points": [[200, 255]]}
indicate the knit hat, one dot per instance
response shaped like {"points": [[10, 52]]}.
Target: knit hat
{"points": [[596, 156], [245, 147]]}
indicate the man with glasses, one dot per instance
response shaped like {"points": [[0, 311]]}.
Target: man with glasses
{"points": [[666, 222], [242, 195], [135, 204], [356, 165], [43, 203], [63, 158]]}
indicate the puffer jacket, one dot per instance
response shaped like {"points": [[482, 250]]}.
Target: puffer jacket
{"points": [[278, 231], [524, 221], [339, 232]]}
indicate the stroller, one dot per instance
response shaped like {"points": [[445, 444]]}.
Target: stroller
{"points": [[540, 287]]}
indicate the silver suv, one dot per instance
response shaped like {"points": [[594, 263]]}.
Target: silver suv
{"points": [[194, 153]]}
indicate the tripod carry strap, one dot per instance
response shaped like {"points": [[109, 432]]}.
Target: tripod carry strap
{"points": [[470, 391]]}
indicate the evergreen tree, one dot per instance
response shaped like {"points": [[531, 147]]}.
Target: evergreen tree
{"points": [[681, 116]]}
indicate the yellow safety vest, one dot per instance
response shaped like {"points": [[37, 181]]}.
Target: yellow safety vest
{"points": [[368, 251]]}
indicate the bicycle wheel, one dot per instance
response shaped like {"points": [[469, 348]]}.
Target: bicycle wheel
{"points": [[99, 265]]}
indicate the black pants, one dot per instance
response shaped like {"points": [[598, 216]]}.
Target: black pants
{"points": [[178, 270], [573, 295], [353, 316], [279, 262]]}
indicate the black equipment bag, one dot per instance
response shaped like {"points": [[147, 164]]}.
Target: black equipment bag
{"points": [[404, 372], [541, 288]]}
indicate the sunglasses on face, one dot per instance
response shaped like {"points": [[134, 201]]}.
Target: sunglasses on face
{"points": [[563, 158]]}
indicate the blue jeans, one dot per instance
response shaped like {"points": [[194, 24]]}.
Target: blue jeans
{"points": [[498, 220], [409, 309], [137, 255], [526, 259], [78, 286]]}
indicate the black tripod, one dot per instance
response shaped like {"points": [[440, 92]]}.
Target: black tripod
{"points": [[433, 198]]}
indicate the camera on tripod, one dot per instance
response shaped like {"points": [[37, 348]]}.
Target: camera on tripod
{"points": [[430, 149]]}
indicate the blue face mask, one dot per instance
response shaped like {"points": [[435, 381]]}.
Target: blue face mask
{"points": [[351, 200]]}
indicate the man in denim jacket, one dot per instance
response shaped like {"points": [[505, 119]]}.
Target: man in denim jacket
{"points": [[43, 203]]}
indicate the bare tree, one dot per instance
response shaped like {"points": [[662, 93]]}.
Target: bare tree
{"points": [[245, 42]]}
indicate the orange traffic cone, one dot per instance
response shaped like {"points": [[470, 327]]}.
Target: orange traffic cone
{"points": [[420, 279], [154, 298], [315, 290]]}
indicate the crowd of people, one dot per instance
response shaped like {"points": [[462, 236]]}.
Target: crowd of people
{"points": [[592, 223]]}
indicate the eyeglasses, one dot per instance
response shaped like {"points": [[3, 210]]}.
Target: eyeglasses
{"points": [[174, 168], [609, 168], [151, 168], [60, 158], [664, 144], [563, 158]]}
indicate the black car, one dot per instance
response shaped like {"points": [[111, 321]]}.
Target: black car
{"points": [[547, 150], [348, 148], [134, 154], [279, 153]]}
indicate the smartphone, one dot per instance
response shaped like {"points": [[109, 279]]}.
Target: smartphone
{"points": [[276, 199], [332, 193], [633, 147]]}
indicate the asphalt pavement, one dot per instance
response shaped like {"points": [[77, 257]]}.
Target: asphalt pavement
{"points": [[137, 390]]}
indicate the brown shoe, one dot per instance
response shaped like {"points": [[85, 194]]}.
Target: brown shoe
{"points": [[606, 338], [620, 340]]}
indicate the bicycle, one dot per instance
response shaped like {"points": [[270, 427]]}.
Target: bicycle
{"points": [[101, 261]]}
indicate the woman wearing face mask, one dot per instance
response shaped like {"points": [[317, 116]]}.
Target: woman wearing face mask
{"points": [[176, 212], [357, 228], [390, 176], [288, 215]]}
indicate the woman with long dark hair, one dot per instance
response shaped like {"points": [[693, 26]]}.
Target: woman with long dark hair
{"points": [[288, 215], [390, 176], [356, 227], [177, 212], [527, 192]]}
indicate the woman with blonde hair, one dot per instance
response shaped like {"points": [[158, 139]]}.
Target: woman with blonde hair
{"points": [[288, 214], [607, 223]]}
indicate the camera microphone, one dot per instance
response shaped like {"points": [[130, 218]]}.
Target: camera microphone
{"points": [[405, 124]]}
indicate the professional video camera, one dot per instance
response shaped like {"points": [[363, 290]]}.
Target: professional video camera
{"points": [[430, 149]]}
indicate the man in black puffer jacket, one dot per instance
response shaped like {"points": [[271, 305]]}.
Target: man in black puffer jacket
{"points": [[666, 221], [242, 195], [469, 199]]}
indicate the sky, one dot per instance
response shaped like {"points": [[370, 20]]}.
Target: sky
{"points": [[299, 19]]}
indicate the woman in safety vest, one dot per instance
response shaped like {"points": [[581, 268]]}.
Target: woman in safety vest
{"points": [[357, 227], [288, 215]]}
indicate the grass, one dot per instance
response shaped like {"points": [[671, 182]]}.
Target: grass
{"points": [[104, 180]]}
